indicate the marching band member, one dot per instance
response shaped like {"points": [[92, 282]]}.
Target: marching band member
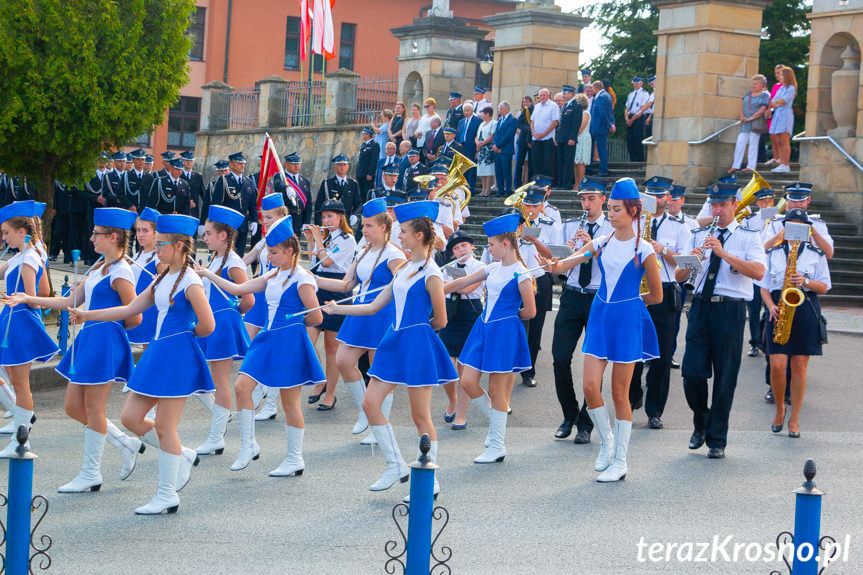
{"points": [[281, 356], [101, 354], [25, 339], [582, 283], [714, 336], [397, 198], [333, 248], [145, 272], [798, 195], [812, 276], [230, 340], [417, 291], [44, 287], [619, 330], [183, 314], [497, 343], [756, 221], [675, 209]]}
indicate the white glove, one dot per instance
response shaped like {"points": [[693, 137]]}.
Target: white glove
{"points": [[200, 230], [253, 228], [353, 220]]}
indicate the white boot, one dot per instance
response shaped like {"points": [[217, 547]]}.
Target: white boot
{"points": [[125, 389], [269, 409], [293, 463], [258, 395], [7, 396], [483, 402], [599, 417], [386, 408], [358, 391], [618, 469], [90, 477], [189, 459], [166, 498], [397, 469], [432, 459], [151, 415], [249, 449], [20, 416], [208, 399], [218, 427], [127, 447], [496, 450]]}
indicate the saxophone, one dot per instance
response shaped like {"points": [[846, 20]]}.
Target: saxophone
{"points": [[789, 299], [647, 235]]}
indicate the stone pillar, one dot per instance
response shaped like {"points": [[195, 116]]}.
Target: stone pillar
{"points": [[535, 46], [270, 102], [214, 106], [707, 53], [440, 54], [341, 97]]}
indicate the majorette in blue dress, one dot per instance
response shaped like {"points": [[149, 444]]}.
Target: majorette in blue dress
{"points": [[619, 328], [144, 332], [257, 316]]}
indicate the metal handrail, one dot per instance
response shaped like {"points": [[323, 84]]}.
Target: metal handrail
{"points": [[714, 135], [649, 141], [801, 138]]}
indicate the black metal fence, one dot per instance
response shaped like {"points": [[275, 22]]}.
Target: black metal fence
{"points": [[303, 103], [236, 109], [374, 94]]}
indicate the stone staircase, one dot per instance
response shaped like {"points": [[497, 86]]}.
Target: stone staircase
{"points": [[846, 267]]}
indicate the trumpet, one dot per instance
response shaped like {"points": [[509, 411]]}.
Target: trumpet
{"points": [[756, 184], [690, 282]]}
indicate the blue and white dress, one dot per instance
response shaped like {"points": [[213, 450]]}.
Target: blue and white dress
{"points": [[102, 352], [28, 341], [619, 328], [257, 316], [366, 331], [173, 365], [411, 353], [282, 355], [498, 342], [230, 339], [144, 332]]}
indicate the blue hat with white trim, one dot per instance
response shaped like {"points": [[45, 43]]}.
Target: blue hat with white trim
{"points": [[657, 186], [139, 153], [119, 156], [391, 169], [396, 198], [128, 157], [167, 156], [534, 197], [586, 72], [282, 229], [340, 159], [541, 181], [418, 195], [414, 210], [149, 159], [272, 201], [625, 189], [176, 163], [413, 152], [237, 157], [104, 155], [501, 225], [722, 192], [149, 215], [293, 158], [478, 90], [454, 95], [374, 207], [798, 191], [651, 80], [188, 155], [114, 218], [677, 191], [226, 215], [177, 224], [730, 179], [592, 185], [567, 88], [764, 193], [25, 209], [439, 169], [221, 165], [636, 79], [368, 131], [39, 209]]}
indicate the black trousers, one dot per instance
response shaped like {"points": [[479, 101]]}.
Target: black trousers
{"points": [[534, 326], [543, 156], [569, 324], [365, 186], [683, 295], [634, 136], [242, 239], [522, 154], [60, 237], [565, 167], [714, 342], [756, 326], [663, 315]]}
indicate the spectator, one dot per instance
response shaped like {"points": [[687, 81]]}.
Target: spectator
{"points": [[559, 99], [390, 157], [503, 146], [485, 154], [585, 82], [753, 108], [480, 101], [404, 148], [425, 122], [602, 123], [584, 144], [466, 136], [397, 124], [382, 131], [523, 142], [367, 163], [782, 112], [762, 142], [433, 140], [412, 125], [634, 115], [545, 118]]}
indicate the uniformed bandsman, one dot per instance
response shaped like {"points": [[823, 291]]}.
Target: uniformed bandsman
{"points": [[195, 180], [455, 114], [5, 197], [367, 164], [756, 221], [544, 183], [634, 117], [148, 163], [389, 177], [798, 195], [447, 151], [167, 157], [412, 169], [236, 191], [296, 192], [340, 187], [170, 194], [136, 182], [674, 208]]}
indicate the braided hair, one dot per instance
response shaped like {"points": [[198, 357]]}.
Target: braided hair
{"points": [[513, 240], [425, 227], [229, 247], [633, 208], [186, 247], [26, 224], [381, 219], [293, 243], [123, 239]]}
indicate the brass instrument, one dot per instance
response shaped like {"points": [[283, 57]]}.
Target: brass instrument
{"points": [[647, 235], [424, 180], [756, 184], [458, 167], [516, 200], [690, 282], [790, 298]]}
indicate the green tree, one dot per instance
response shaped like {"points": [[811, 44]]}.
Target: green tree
{"points": [[83, 75]]}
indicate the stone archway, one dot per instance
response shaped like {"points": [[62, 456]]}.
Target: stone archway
{"points": [[412, 89], [839, 75]]}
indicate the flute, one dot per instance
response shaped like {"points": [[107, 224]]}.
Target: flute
{"points": [[347, 299], [586, 255]]}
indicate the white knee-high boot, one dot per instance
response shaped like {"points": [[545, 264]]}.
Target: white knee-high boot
{"points": [[496, 450], [215, 442], [127, 447], [386, 408], [188, 459], [269, 409], [358, 391], [166, 498], [618, 468], [249, 449], [483, 402], [20, 416], [90, 477], [599, 417], [208, 399], [258, 394], [397, 469], [293, 463], [7, 397], [433, 459]]}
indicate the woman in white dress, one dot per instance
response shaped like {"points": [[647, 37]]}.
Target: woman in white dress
{"points": [[485, 155], [584, 143]]}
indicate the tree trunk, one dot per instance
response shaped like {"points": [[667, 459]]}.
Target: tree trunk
{"points": [[46, 195]]}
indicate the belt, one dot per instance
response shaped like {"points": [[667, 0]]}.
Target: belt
{"points": [[667, 285], [719, 298], [580, 290]]}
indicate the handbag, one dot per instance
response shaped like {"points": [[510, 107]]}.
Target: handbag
{"points": [[759, 125], [822, 324]]}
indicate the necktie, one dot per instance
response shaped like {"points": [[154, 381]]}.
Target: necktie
{"points": [[713, 269], [461, 265], [585, 271], [654, 228]]}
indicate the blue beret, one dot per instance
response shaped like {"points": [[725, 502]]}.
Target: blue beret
{"points": [[188, 155], [25, 209], [368, 131], [149, 215], [119, 156], [39, 209], [534, 199], [148, 159], [176, 163], [293, 158], [374, 207], [458, 237], [657, 185], [221, 165], [413, 210], [177, 224], [237, 157], [392, 169], [282, 229], [340, 159], [501, 225], [139, 153], [450, 130], [541, 181], [567, 88], [722, 192], [413, 152], [333, 206], [625, 189], [651, 79], [225, 215], [396, 198], [114, 218], [167, 156], [479, 90], [763, 193], [272, 201], [592, 184], [678, 191], [586, 72], [454, 95], [637, 79]]}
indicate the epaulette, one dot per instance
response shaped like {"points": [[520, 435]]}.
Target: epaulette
{"points": [[815, 249], [745, 229], [545, 221], [573, 219], [674, 219], [547, 205], [701, 229], [815, 217], [773, 249]]}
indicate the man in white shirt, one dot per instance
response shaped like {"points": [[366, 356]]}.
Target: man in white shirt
{"points": [[634, 116], [545, 118], [480, 101]]}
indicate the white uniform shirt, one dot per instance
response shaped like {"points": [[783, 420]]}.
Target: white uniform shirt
{"points": [[552, 212], [234, 261], [276, 286], [498, 277], [635, 100], [342, 257], [675, 235], [551, 233], [741, 243], [811, 262], [470, 265], [651, 98], [543, 116], [602, 227], [528, 254], [690, 222], [120, 270], [775, 226], [162, 293]]}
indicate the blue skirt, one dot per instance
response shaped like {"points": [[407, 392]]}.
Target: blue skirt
{"points": [[146, 330], [102, 355], [620, 332], [367, 331], [283, 357], [172, 366], [257, 316], [230, 339], [413, 356], [28, 341], [497, 347], [805, 336]]}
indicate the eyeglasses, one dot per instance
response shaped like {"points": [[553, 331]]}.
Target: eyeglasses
{"points": [[95, 233], [427, 106], [160, 245]]}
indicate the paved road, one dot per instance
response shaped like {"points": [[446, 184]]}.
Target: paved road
{"points": [[540, 512]]}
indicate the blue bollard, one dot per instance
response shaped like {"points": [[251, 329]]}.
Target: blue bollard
{"points": [[421, 507], [63, 334], [19, 510], [807, 524]]}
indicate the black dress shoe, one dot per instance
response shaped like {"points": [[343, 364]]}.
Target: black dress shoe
{"points": [[528, 381], [637, 404], [793, 434], [696, 440], [716, 453], [313, 398], [655, 423], [325, 407], [787, 400], [674, 365], [583, 436], [753, 351], [564, 430], [768, 397]]}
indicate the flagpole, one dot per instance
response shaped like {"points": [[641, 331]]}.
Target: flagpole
{"points": [[311, 72]]}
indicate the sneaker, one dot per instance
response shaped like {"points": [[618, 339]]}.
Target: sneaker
{"points": [[781, 169]]}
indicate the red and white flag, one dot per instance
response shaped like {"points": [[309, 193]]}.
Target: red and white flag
{"points": [[270, 166], [323, 35], [305, 29]]}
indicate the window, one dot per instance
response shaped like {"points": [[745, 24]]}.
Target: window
{"points": [[196, 33], [292, 44], [183, 118], [142, 141], [347, 43]]}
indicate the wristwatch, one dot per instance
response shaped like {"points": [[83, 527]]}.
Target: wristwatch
{"points": [[805, 281], [664, 251]]}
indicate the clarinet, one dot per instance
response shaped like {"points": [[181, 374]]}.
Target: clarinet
{"points": [[690, 283], [581, 223]]}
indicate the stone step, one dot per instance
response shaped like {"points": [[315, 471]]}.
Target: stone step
{"points": [[839, 299]]}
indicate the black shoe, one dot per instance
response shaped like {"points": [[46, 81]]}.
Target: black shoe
{"points": [[674, 365], [564, 430], [509, 410], [716, 453], [637, 405], [655, 423], [583, 436], [696, 440], [753, 351], [768, 397], [793, 434], [528, 381], [313, 398], [325, 407], [787, 400]]}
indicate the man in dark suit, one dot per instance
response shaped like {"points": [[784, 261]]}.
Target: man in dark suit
{"points": [[566, 137], [602, 124], [340, 187], [503, 144], [116, 195], [236, 191], [196, 182], [166, 160], [367, 163], [434, 140], [170, 194], [407, 173], [466, 136], [455, 113], [585, 80], [136, 182], [296, 192], [390, 157], [450, 146]]}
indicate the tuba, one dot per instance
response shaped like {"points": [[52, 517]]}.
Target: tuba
{"points": [[516, 200], [458, 167], [790, 298], [756, 184]]}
